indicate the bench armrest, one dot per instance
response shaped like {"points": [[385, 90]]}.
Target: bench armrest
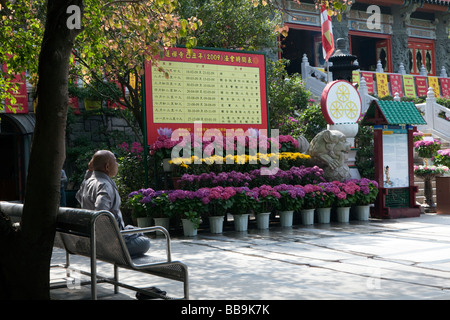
{"points": [[153, 229]]}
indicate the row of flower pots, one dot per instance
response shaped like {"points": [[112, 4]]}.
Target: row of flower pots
{"points": [[286, 219]]}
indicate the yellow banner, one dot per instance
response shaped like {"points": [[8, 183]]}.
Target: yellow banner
{"points": [[434, 83], [382, 85], [410, 88], [355, 77]]}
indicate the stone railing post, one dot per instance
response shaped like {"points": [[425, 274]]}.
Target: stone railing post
{"points": [[443, 73], [379, 67], [305, 67]]}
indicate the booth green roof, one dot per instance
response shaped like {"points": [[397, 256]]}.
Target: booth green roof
{"points": [[393, 113]]}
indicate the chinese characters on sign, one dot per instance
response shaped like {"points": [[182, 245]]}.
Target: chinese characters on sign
{"points": [[396, 84], [395, 156], [222, 89], [382, 85], [207, 93]]}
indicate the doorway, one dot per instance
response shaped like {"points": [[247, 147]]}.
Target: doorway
{"points": [[370, 50]]}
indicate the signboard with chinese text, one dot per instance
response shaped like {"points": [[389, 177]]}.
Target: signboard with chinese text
{"points": [[368, 77], [434, 83], [395, 158], [221, 89], [421, 84], [382, 85], [410, 89], [396, 85], [445, 87]]}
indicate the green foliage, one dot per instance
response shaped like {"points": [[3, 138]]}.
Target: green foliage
{"points": [[365, 153], [286, 93], [97, 90], [312, 121], [234, 24], [20, 23]]}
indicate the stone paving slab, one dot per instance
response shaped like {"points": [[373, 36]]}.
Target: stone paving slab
{"points": [[379, 259]]}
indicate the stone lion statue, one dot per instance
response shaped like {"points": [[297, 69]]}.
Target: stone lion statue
{"points": [[329, 151]]}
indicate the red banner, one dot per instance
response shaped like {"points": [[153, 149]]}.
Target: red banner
{"points": [[21, 105], [421, 85], [396, 84], [220, 89], [445, 87], [368, 77]]}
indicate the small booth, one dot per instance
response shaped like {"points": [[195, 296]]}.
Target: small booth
{"points": [[393, 123]]}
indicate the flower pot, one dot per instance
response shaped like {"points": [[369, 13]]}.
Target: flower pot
{"points": [[286, 218], [428, 162], [216, 224], [323, 215], [240, 222], [362, 213], [167, 166], [262, 220], [144, 222], [163, 222], [189, 229], [343, 214], [307, 216]]}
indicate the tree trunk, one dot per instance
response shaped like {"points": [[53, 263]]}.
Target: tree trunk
{"points": [[26, 253]]}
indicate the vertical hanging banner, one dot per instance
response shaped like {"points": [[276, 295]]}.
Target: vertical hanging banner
{"points": [[445, 87], [355, 77], [434, 83], [221, 89], [410, 88], [368, 77], [382, 85], [396, 84], [327, 33], [421, 84], [21, 104]]}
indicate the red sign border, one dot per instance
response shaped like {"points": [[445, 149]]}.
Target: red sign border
{"points": [[219, 54]]}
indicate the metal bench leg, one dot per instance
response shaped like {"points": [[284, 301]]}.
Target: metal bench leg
{"points": [[93, 267], [116, 279]]}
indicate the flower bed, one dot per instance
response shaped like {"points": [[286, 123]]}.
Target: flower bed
{"points": [[204, 202], [240, 163], [295, 175]]}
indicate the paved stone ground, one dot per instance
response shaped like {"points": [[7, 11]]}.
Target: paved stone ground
{"points": [[378, 259]]}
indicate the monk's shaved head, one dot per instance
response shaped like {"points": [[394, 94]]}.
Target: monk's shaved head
{"points": [[105, 161]]}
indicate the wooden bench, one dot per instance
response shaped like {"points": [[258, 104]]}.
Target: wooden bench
{"points": [[96, 235]]}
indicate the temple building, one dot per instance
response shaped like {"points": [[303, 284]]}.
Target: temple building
{"points": [[412, 33]]}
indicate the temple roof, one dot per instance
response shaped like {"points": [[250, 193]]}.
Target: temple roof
{"points": [[392, 113]]}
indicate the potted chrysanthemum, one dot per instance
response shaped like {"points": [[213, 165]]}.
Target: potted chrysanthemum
{"points": [[427, 149], [244, 203]]}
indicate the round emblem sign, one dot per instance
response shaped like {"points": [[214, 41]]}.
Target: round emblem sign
{"points": [[341, 103]]}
